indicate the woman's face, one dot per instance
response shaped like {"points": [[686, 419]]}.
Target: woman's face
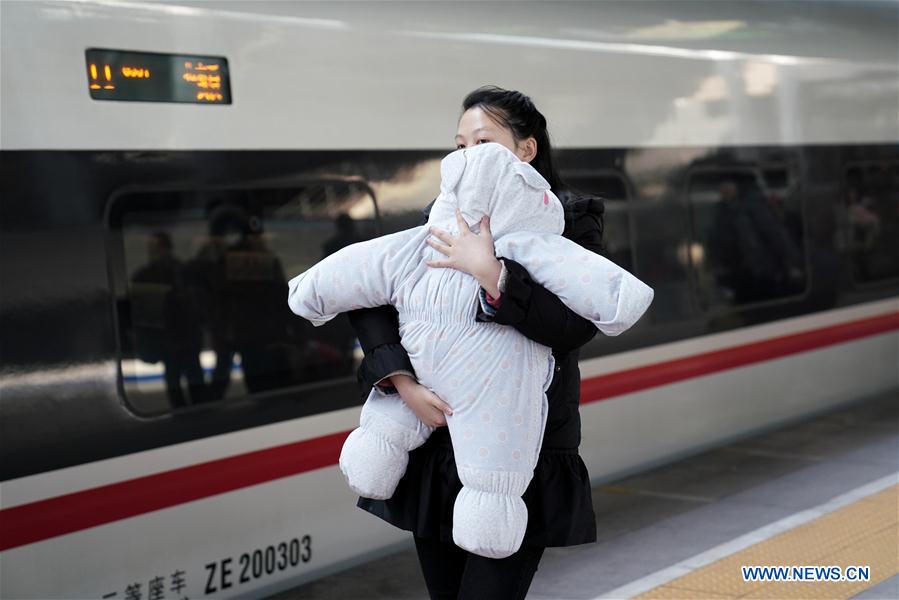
{"points": [[476, 127]]}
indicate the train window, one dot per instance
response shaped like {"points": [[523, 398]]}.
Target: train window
{"points": [[612, 187], [747, 244], [201, 283], [870, 220]]}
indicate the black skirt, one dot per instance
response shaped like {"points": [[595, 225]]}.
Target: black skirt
{"points": [[558, 499]]}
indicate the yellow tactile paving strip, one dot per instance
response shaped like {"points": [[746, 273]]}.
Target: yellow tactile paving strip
{"points": [[865, 532]]}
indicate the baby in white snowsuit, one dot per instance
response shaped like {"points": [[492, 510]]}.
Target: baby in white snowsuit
{"points": [[499, 410]]}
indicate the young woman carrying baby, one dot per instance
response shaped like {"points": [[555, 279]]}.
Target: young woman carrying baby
{"points": [[558, 498]]}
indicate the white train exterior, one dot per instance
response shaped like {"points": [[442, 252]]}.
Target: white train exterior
{"points": [[338, 108]]}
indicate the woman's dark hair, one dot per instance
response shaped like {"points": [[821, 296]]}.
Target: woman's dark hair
{"points": [[516, 112]]}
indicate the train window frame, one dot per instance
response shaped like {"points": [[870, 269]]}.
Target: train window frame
{"points": [[114, 210], [569, 174], [716, 310], [856, 285]]}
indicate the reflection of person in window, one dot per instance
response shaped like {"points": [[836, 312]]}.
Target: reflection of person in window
{"points": [[873, 214], [166, 321], [344, 236], [255, 287], [749, 246], [864, 224], [226, 226]]}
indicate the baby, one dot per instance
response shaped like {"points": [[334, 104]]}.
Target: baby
{"points": [[499, 410]]}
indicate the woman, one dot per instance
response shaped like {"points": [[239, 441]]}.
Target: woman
{"points": [[559, 501]]}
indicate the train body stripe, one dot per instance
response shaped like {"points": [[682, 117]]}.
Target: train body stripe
{"points": [[60, 515], [69, 513], [705, 363]]}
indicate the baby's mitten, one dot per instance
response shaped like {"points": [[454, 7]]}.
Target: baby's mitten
{"points": [[375, 455]]}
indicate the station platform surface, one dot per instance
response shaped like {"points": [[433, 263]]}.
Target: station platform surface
{"points": [[819, 492]]}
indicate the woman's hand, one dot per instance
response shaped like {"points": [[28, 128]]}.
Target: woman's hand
{"points": [[470, 252], [425, 403]]}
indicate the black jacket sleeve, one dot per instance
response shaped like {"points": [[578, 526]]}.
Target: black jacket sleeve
{"points": [[538, 313], [378, 331]]}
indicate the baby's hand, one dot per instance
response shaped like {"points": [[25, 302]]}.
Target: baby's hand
{"points": [[427, 405]]}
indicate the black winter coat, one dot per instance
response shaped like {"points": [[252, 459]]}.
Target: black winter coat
{"points": [[559, 496]]}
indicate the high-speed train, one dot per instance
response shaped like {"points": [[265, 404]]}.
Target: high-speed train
{"points": [[171, 430]]}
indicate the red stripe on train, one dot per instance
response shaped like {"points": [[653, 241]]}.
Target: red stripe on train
{"points": [[671, 371], [48, 518], [73, 512]]}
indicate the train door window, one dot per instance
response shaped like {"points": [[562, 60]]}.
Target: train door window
{"points": [[870, 220], [613, 189], [747, 244], [201, 281]]}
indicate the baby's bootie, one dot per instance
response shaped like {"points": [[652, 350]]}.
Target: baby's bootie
{"points": [[489, 516], [375, 455]]}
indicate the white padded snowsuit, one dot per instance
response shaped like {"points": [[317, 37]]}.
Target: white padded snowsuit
{"points": [[492, 376]]}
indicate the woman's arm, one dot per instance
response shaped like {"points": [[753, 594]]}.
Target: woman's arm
{"points": [[536, 312], [378, 332]]}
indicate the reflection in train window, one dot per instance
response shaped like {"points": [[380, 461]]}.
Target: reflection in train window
{"points": [[870, 220], [612, 188], [203, 315], [777, 179], [747, 242]]}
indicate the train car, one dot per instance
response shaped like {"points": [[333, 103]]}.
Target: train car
{"points": [[171, 430]]}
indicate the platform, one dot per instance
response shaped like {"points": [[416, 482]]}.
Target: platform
{"points": [[818, 492]]}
